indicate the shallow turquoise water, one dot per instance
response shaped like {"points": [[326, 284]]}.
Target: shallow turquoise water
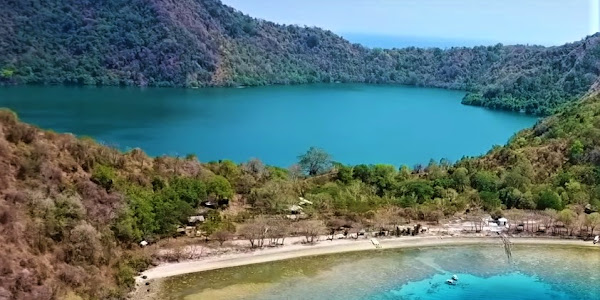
{"points": [[514, 286], [356, 123], [535, 273]]}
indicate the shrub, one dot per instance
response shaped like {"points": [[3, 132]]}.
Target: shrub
{"points": [[103, 176], [219, 187], [7, 215], [5, 151], [125, 276], [21, 133], [8, 116], [51, 173], [84, 245], [16, 196], [72, 275], [138, 261], [549, 199]]}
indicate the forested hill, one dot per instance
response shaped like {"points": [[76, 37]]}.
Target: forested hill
{"points": [[203, 43], [72, 211]]}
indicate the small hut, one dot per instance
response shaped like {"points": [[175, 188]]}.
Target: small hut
{"points": [[193, 220], [503, 222], [210, 204], [295, 209]]}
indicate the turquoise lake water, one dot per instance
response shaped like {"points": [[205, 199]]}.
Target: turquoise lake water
{"points": [[356, 123], [535, 273]]}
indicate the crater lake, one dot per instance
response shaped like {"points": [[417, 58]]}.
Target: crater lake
{"points": [[355, 123]]}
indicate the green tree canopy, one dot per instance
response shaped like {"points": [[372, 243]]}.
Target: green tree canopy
{"points": [[384, 178], [219, 187], [549, 199], [484, 181], [344, 174], [190, 190], [490, 200], [363, 173], [461, 179]]}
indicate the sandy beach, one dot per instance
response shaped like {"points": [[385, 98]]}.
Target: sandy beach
{"points": [[336, 246]]}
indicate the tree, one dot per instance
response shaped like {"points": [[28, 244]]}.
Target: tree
{"points": [[515, 179], [229, 170], [6, 73], [245, 183], [362, 173], [484, 181], [279, 229], [84, 245], [387, 218], [344, 174], [315, 161], [549, 216], [460, 176], [568, 218], [255, 231], [510, 197], [103, 176], [592, 221], [219, 187], [221, 236], [403, 173], [384, 178], [312, 41], [490, 200], [549, 199], [212, 223], [256, 168], [311, 229], [421, 189], [294, 172], [169, 210], [476, 218], [138, 219], [576, 150], [190, 190]]}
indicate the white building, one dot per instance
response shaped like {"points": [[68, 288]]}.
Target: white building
{"points": [[503, 222]]}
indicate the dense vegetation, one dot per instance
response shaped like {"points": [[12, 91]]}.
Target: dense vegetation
{"points": [[71, 210], [203, 43]]}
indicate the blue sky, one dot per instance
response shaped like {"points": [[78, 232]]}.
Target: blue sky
{"points": [[547, 22]]}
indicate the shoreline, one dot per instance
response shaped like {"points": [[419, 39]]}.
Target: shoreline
{"points": [[337, 246]]}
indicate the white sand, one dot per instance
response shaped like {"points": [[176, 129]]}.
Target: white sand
{"points": [[336, 246]]}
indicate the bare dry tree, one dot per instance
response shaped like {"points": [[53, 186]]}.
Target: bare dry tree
{"points": [[222, 236], [194, 251], [311, 229], [279, 229], [255, 231]]}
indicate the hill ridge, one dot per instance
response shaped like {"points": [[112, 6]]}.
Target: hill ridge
{"points": [[191, 43]]}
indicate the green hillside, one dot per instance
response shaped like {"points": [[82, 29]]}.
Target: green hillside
{"points": [[72, 211], [191, 43]]}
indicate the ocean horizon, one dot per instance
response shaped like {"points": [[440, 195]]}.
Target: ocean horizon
{"points": [[401, 41]]}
